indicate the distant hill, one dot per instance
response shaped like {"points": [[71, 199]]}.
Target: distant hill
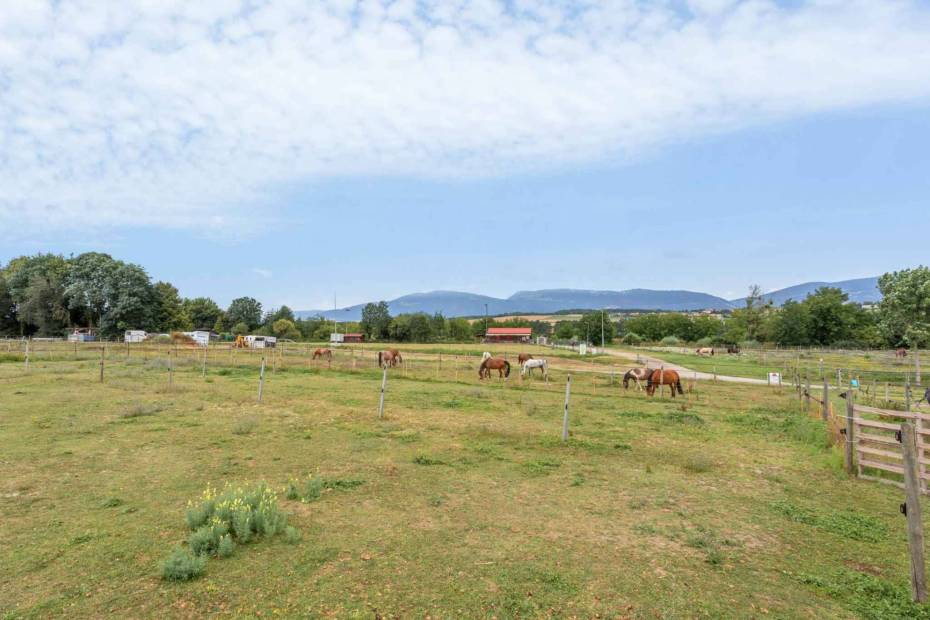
{"points": [[454, 303], [861, 290]]}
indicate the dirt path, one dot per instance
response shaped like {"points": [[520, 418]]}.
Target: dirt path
{"points": [[655, 362]]}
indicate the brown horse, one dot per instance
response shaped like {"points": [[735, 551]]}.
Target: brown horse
{"points": [[523, 357], [661, 377], [397, 358], [320, 353], [501, 365], [705, 351], [386, 358], [900, 352]]}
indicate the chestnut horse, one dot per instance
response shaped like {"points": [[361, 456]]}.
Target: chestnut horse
{"points": [[396, 354], [320, 353], [637, 375], [501, 365], [900, 352], [664, 377], [386, 358], [705, 351], [523, 358]]}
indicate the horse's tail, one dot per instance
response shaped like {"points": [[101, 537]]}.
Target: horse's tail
{"points": [[506, 368], [481, 369], [380, 359], [678, 385]]}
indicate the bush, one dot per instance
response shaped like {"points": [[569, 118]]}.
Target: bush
{"points": [[750, 344], [706, 341], [670, 341], [632, 338], [292, 535], [311, 488], [182, 565], [219, 519]]}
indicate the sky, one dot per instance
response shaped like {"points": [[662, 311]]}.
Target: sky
{"points": [[298, 151]]}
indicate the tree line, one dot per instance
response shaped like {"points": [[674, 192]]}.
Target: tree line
{"points": [[49, 294]]}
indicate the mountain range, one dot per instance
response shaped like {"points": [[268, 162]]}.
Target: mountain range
{"points": [[454, 303]]}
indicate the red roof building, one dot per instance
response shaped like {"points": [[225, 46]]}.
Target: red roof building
{"points": [[508, 334], [353, 337]]}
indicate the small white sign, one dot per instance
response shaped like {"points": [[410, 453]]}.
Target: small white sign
{"points": [[774, 378], [583, 348]]}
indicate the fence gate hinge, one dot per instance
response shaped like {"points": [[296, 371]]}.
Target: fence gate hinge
{"points": [[904, 509]]}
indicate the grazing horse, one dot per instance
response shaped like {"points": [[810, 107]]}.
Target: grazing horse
{"points": [[530, 364], [705, 351], [386, 358], [900, 352], [501, 365], [397, 358], [320, 353], [733, 349], [523, 357], [637, 375], [660, 377]]}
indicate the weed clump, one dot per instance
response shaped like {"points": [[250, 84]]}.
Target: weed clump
{"points": [[421, 459], [182, 565], [311, 488], [844, 523], [219, 520]]}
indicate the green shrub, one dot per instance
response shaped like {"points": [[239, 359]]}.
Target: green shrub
{"points": [[226, 546], [182, 565], [311, 488], [632, 338], [670, 341], [219, 519], [706, 341], [425, 460], [291, 535]]}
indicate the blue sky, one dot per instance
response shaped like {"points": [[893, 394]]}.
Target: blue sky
{"points": [[377, 149]]}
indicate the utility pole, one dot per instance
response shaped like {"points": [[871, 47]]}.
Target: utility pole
{"points": [[602, 329], [485, 320]]}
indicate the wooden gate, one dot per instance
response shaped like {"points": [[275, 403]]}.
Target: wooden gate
{"points": [[878, 449]]}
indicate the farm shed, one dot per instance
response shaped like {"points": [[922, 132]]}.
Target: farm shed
{"points": [[135, 335], [508, 334], [353, 337]]}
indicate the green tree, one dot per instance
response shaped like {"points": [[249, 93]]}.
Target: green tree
{"points": [[565, 330], [43, 306], [460, 330], [791, 325], [240, 329], [90, 286], [169, 312], [751, 319], [8, 322], [904, 312], [376, 320], [830, 317], [593, 324], [245, 310], [130, 301], [203, 312], [283, 328], [19, 275], [421, 327]]}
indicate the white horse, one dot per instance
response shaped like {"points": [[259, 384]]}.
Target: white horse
{"points": [[529, 365]]}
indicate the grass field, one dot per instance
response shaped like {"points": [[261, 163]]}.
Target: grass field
{"points": [[461, 503]]}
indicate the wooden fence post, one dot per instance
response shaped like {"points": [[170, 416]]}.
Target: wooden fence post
{"points": [[807, 393], [850, 432], [917, 378], [911, 509], [825, 409], [203, 371], [383, 386], [102, 362], [568, 392], [261, 379], [907, 392], [27, 355], [170, 368]]}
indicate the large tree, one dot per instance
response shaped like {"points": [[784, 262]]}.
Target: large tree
{"points": [[43, 306], [245, 310], [593, 324], [21, 275], [169, 311], [8, 323], [904, 312], [202, 311], [376, 320]]}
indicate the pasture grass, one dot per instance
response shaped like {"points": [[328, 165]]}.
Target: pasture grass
{"points": [[734, 507]]}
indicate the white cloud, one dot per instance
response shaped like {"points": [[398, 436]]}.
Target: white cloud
{"points": [[262, 273], [188, 113]]}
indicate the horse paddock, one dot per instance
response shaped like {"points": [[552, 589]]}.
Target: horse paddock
{"points": [[462, 502]]}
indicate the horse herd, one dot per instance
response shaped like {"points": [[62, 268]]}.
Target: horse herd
{"points": [[654, 379]]}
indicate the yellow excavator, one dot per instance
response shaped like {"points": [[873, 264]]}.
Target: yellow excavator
{"points": [[240, 342]]}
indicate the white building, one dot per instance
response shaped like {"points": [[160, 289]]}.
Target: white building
{"points": [[134, 335], [202, 336], [261, 342]]}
